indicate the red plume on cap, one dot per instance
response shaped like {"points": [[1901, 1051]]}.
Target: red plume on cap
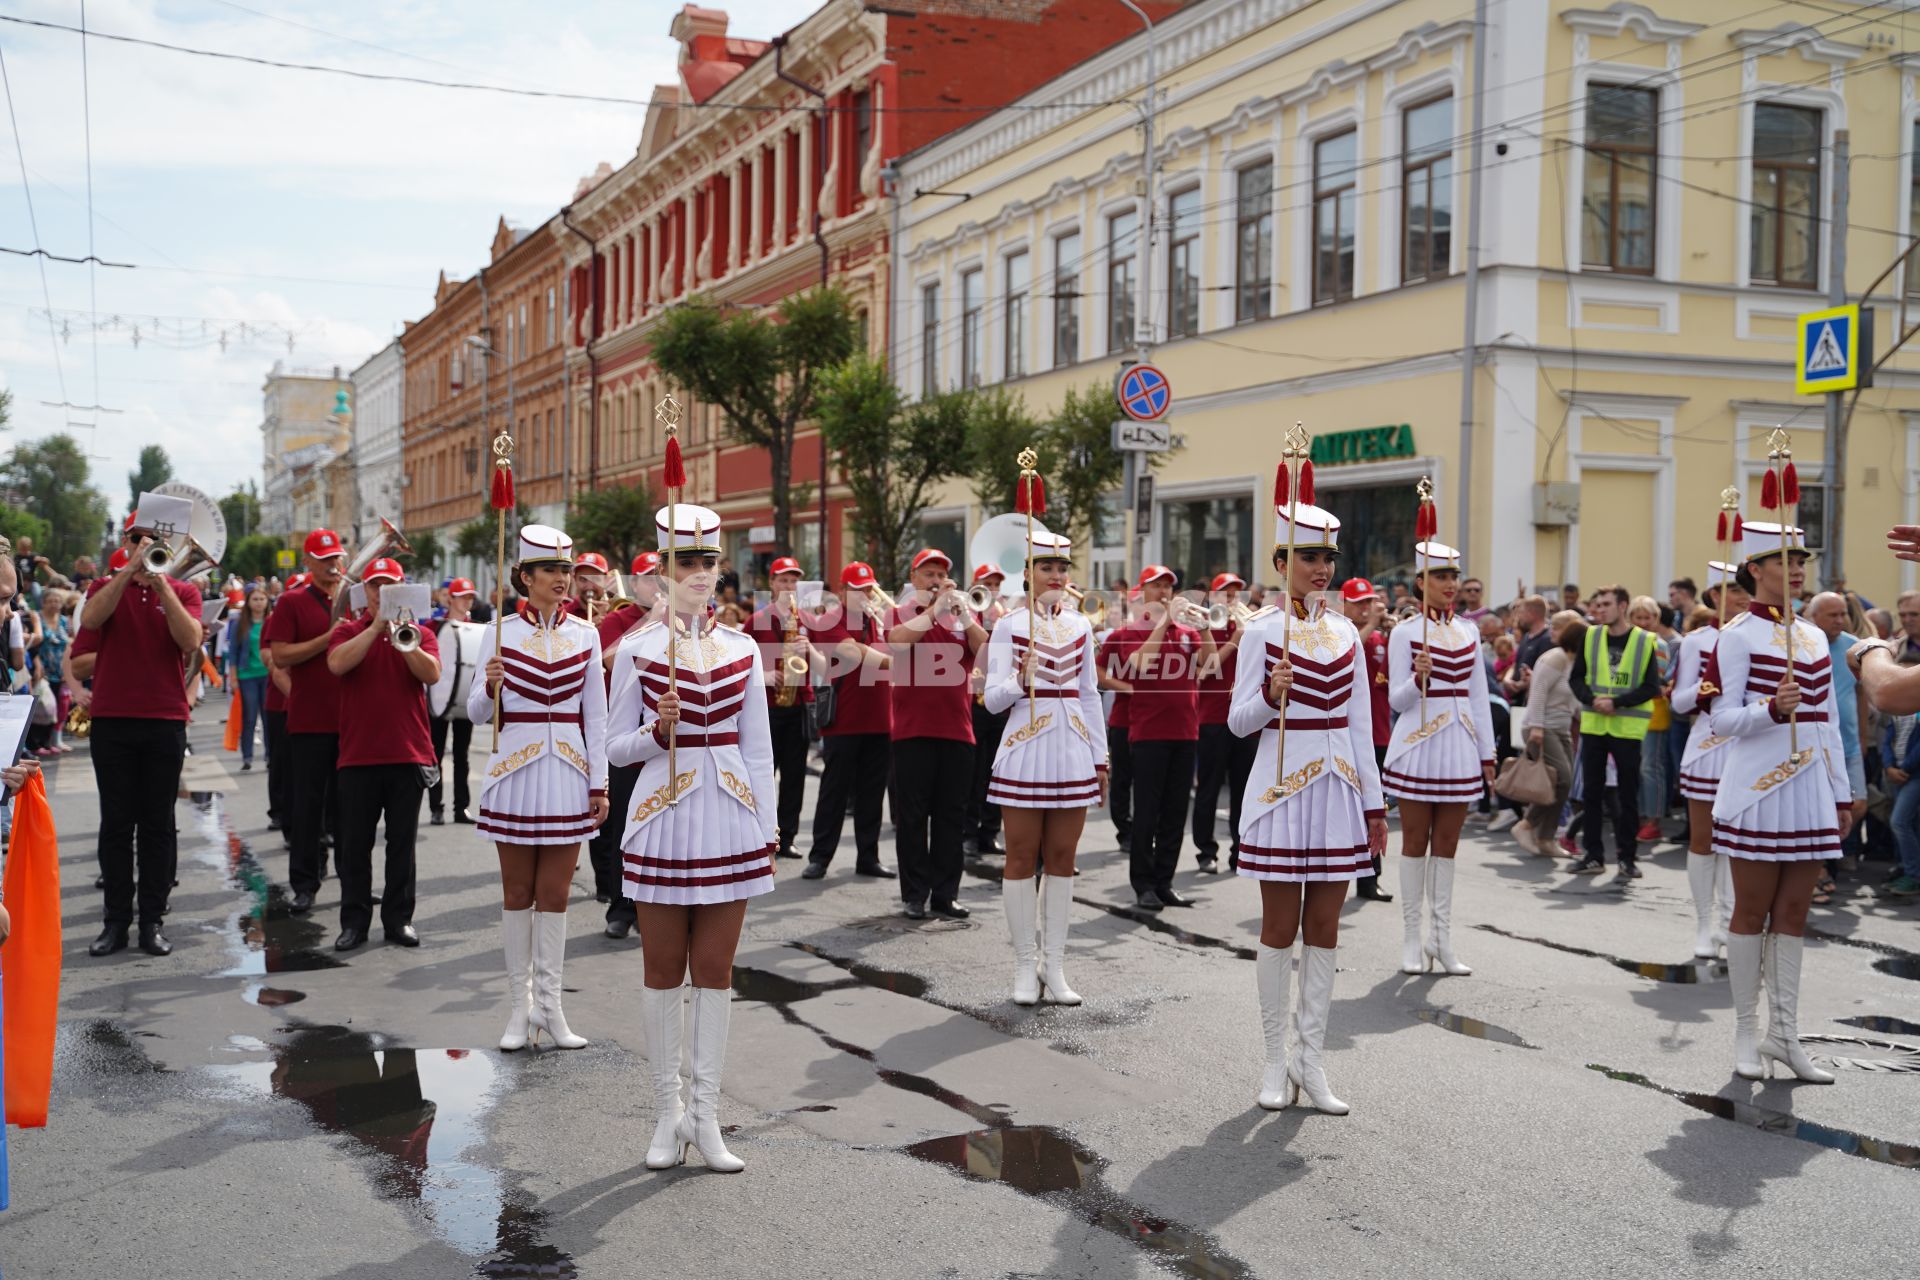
{"points": [[1789, 485], [500, 493], [1306, 482], [1720, 530], [1030, 495], [1280, 484], [1738, 527], [1426, 522], [1769, 490], [673, 474]]}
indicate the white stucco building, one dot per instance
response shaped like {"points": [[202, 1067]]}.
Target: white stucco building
{"points": [[379, 388]]}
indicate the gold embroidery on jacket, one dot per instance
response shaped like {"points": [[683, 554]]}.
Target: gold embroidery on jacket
{"points": [[1294, 782], [573, 756], [657, 802], [1782, 771], [1028, 730], [1347, 771], [1713, 740], [507, 765], [547, 645], [1428, 729], [741, 791], [1079, 727]]}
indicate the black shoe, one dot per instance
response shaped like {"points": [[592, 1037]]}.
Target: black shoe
{"points": [[1588, 867], [154, 942], [273, 824], [246, 766], [301, 904], [1169, 898], [112, 938], [1126, 844], [349, 939], [1233, 862], [1208, 863], [969, 848], [914, 911], [788, 853], [403, 936], [951, 910], [1370, 890], [603, 898], [618, 928], [1629, 870], [437, 819], [99, 882], [814, 871], [990, 848], [1149, 901], [462, 818], [875, 870]]}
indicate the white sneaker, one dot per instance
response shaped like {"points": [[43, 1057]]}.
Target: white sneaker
{"points": [[1502, 820]]}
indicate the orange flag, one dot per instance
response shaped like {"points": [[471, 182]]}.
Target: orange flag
{"points": [[233, 724], [30, 976]]}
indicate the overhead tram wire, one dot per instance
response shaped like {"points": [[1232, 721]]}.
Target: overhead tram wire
{"points": [[86, 119], [33, 223]]}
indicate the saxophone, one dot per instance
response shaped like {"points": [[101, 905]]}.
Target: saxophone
{"points": [[794, 666]]}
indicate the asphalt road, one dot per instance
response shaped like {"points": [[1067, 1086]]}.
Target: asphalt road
{"points": [[254, 1106]]}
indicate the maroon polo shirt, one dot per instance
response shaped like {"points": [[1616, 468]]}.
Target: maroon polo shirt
{"points": [[1216, 691], [139, 673], [383, 709], [1120, 716], [1165, 705], [932, 694], [1375, 647], [768, 628], [314, 704], [861, 701]]}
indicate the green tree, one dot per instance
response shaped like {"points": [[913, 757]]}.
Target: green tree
{"points": [[426, 555], [892, 454], [241, 510], [1080, 463], [477, 539], [17, 523], [50, 478], [616, 521], [763, 371], [253, 556], [998, 428], [155, 469]]}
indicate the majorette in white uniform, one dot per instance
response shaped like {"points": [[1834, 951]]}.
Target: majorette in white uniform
{"points": [[1304, 816], [1710, 876], [540, 781], [1052, 755], [1782, 786], [1440, 745]]}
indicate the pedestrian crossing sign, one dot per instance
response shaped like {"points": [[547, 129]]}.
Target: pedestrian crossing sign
{"points": [[1832, 348]]}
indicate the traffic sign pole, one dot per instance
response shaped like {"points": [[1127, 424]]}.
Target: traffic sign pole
{"points": [[1832, 448]]}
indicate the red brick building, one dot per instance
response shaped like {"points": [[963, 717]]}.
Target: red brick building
{"points": [[720, 199]]}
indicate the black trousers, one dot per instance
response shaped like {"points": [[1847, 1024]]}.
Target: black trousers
{"points": [[367, 793], [604, 849], [462, 744], [315, 806], [136, 770], [1120, 782], [982, 821], [931, 777], [1595, 749], [856, 769], [789, 726], [1223, 757], [279, 768], [1162, 777]]}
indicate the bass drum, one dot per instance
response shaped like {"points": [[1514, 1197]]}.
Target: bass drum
{"points": [[459, 658]]}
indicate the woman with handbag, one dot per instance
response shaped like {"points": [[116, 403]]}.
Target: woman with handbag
{"points": [[1550, 718]]}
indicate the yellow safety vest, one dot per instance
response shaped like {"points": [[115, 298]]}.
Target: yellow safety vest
{"points": [[1631, 723]]}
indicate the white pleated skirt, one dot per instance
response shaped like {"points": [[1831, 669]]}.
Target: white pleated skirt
{"points": [[1700, 774], [1443, 769], [1054, 771], [708, 848], [1793, 823], [544, 801], [1314, 835]]}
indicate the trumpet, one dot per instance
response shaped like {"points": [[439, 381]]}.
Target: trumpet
{"points": [[163, 561], [405, 633], [879, 603], [1219, 615], [980, 597], [388, 542], [1098, 616]]}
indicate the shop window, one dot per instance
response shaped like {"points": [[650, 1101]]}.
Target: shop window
{"points": [[1426, 194], [1333, 216], [1253, 243], [1206, 536], [1783, 213]]}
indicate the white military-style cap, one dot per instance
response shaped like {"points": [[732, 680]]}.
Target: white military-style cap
{"points": [[1435, 555], [163, 515], [694, 528], [1049, 546], [1761, 538], [1720, 573], [544, 544], [1313, 528]]}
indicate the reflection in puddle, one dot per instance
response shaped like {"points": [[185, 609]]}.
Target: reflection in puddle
{"points": [[417, 1113], [1044, 1162], [1783, 1123], [1465, 1026], [266, 937], [1692, 971], [1874, 1022], [1896, 962], [273, 997], [1907, 967]]}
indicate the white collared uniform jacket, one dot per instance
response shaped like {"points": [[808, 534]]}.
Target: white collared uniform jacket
{"points": [[1440, 742], [552, 755], [1054, 747], [1700, 763]]}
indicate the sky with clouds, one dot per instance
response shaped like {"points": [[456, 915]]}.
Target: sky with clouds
{"points": [[296, 203]]}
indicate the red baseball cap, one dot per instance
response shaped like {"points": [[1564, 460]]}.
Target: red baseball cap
{"points": [[128, 522], [1357, 589], [988, 570], [461, 587], [591, 560], [785, 564], [1221, 581], [118, 560], [384, 570], [298, 580], [237, 596], [324, 544], [647, 562], [857, 574], [1154, 572], [930, 554]]}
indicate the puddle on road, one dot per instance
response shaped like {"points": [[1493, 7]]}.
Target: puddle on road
{"points": [[1875, 1022], [987, 871], [1691, 972], [1767, 1120], [417, 1114], [903, 984], [101, 1049], [1907, 967], [1044, 1162], [273, 997], [1465, 1026], [266, 937], [1894, 961]]}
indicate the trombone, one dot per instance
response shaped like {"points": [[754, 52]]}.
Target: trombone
{"points": [[879, 603], [614, 597], [1095, 619]]}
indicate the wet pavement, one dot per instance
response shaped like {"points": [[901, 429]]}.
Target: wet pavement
{"points": [[258, 1103]]}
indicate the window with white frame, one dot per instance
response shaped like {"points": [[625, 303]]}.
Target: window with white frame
{"points": [[930, 339], [1019, 273], [1253, 242], [521, 353], [1066, 299], [972, 301], [1617, 196], [1426, 191], [1334, 216], [551, 313], [1122, 233], [1183, 263], [1783, 213]]}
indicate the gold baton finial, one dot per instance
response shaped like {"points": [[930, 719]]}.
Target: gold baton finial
{"points": [[1297, 440], [1424, 489], [1028, 459], [1729, 499], [1779, 444], [667, 412]]}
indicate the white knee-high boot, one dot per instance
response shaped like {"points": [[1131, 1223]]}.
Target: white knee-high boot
{"points": [[1743, 971], [663, 1022], [1316, 998], [1722, 897], [1057, 903], [1273, 971], [516, 941], [549, 959], [1782, 1044], [1440, 895], [1413, 893], [700, 1127], [1022, 903], [1701, 875]]}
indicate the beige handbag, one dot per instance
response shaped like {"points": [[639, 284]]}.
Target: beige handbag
{"points": [[1526, 779]]}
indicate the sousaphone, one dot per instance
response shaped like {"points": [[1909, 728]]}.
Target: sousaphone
{"points": [[195, 554]]}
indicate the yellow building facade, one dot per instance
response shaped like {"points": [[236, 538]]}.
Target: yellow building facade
{"points": [[1655, 187]]}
